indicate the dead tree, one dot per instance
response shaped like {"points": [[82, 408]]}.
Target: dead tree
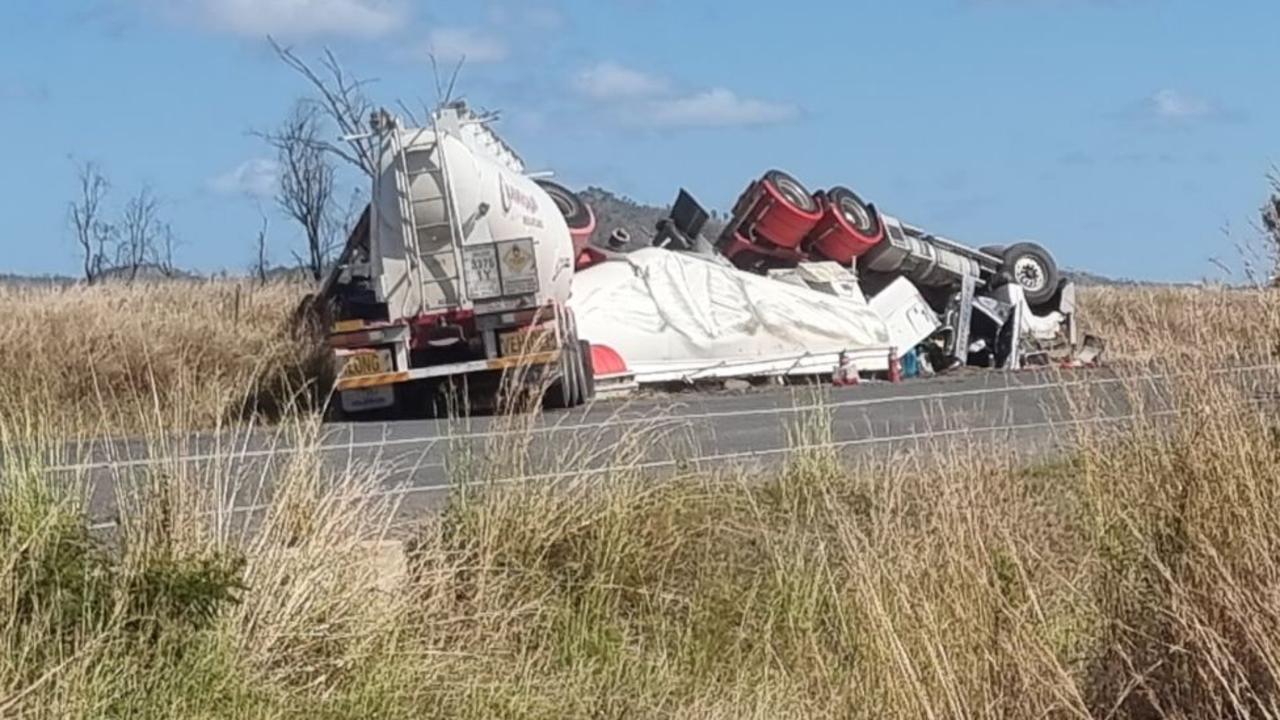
{"points": [[306, 182], [341, 99], [94, 236], [260, 261], [166, 244], [140, 234]]}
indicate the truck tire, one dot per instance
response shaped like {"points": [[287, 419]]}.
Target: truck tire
{"points": [[792, 191], [993, 250], [857, 213], [576, 213], [565, 392], [575, 375], [1032, 267], [588, 371]]}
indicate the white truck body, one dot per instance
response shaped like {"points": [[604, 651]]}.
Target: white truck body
{"points": [[466, 267], [456, 225]]}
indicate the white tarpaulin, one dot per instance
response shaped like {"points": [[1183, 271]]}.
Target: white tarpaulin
{"points": [[674, 316]]}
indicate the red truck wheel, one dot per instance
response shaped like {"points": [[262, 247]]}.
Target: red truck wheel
{"points": [[849, 227], [790, 189], [778, 209]]}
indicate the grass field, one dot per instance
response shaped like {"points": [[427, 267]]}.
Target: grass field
{"points": [[194, 356], [115, 359], [1137, 577]]}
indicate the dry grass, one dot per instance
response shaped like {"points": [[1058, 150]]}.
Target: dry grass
{"points": [[119, 359], [116, 359], [1174, 325], [1136, 577]]}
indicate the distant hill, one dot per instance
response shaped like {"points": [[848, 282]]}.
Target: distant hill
{"points": [[34, 281], [1084, 278], [615, 211]]}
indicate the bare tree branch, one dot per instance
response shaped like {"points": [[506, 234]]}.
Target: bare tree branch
{"points": [[140, 233], [163, 250], [260, 261], [93, 235], [306, 182], [453, 80], [343, 101]]}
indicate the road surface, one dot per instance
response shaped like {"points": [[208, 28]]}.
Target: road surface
{"points": [[419, 461]]}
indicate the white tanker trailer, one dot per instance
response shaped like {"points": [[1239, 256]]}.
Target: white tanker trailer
{"points": [[459, 270]]}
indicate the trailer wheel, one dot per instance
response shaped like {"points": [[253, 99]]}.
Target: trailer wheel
{"points": [[588, 371], [565, 392], [576, 213], [1032, 267], [792, 191], [854, 211]]}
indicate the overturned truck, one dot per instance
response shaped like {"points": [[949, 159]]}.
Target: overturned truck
{"points": [[800, 283], [467, 270]]}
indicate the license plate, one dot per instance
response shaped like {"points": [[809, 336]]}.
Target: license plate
{"points": [[480, 266], [527, 342], [369, 399], [366, 362]]}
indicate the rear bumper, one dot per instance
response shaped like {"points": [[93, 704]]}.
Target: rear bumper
{"points": [[364, 382]]}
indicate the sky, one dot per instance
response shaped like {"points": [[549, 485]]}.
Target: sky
{"points": [[1131, 137]]}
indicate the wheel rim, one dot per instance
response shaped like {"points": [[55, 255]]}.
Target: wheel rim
{"points": [[793, 193], [855, 214], [1030, 274]]}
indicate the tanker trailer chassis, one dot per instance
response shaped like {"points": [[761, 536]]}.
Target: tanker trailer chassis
{"points": [[455, 277]]}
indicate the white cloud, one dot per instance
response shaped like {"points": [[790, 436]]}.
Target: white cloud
{"points": [[258, 177], [301, 18], [526, 16], [1179, 106], [453, 44], [717, 107], [611, 81]]}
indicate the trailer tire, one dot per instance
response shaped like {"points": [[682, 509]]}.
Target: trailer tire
{"points": [[1032, 267], [564, 393], [576, 213], [588, 371], [860, 216], [792, 190]]}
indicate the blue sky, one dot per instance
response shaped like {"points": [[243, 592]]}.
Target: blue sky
{"points": [[1125, 135]]}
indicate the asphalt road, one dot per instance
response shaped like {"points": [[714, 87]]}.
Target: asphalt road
{"points": [[419, 461]]}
